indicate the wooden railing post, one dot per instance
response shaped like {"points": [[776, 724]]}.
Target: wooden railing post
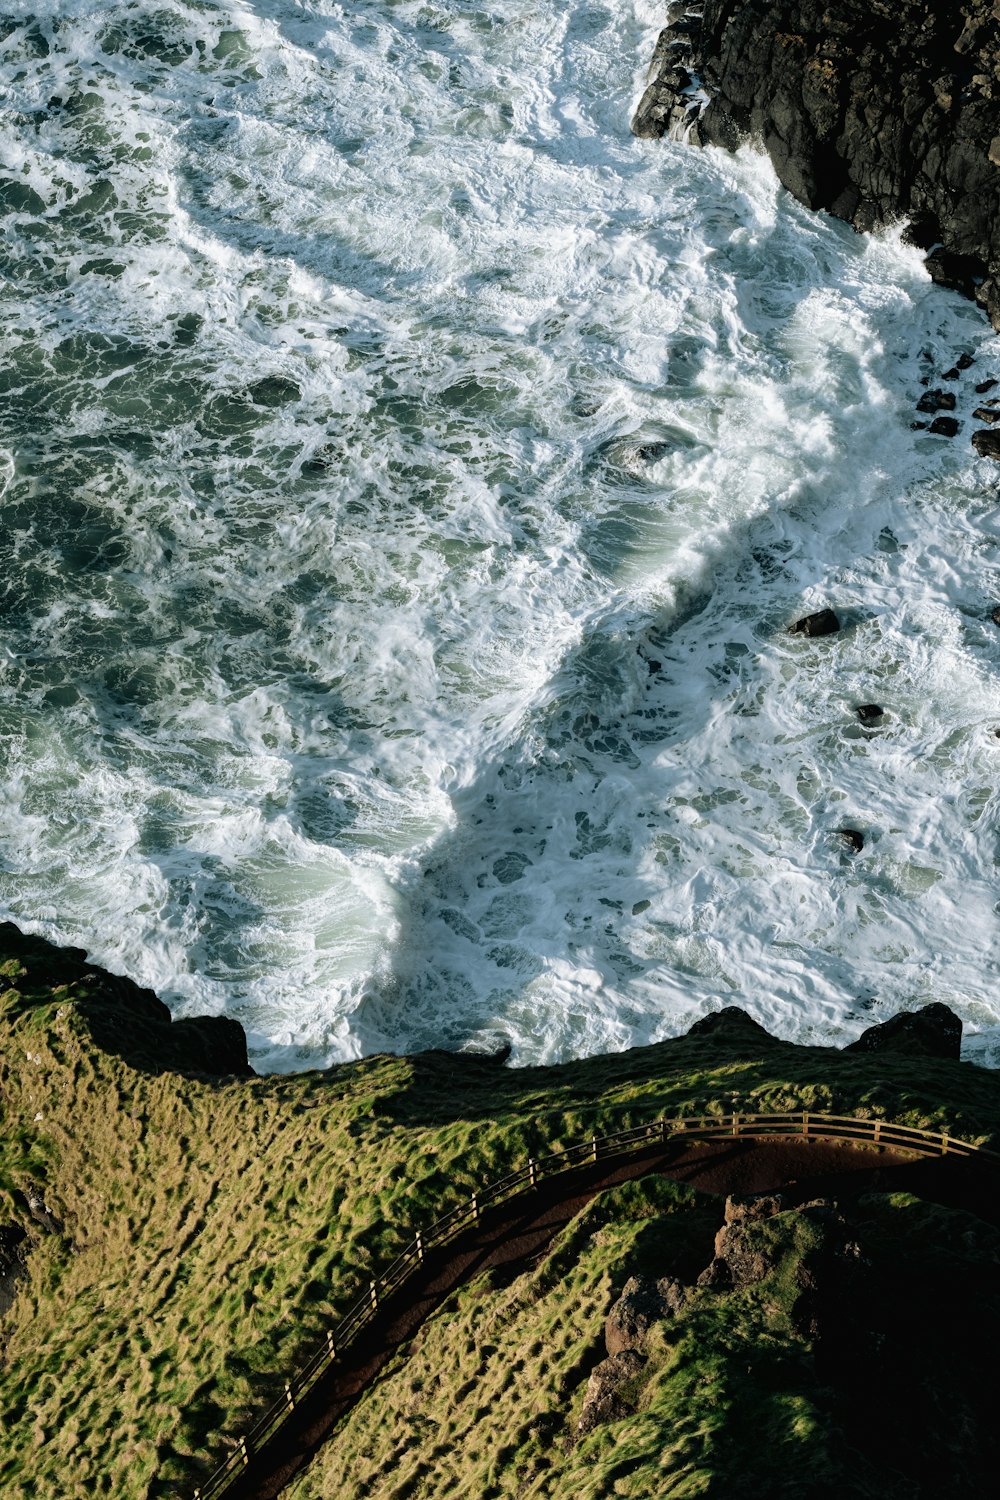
{"points": [[374, 1293], [878, 1131], [475, 1207], [420, 1245], [532, 1171], [663, 1131], [244, 1451], [289, 1397], [805, 1122], [593, 1147], [331, 1347]]}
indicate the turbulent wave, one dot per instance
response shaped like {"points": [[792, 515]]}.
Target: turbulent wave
{"points": [[408, 478]]}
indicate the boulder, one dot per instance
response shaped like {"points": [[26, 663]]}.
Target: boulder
{"points": [[606, 1400], [870, 713], [984, 386], [937, 400], [986, 414], [823, 622], [642, 1303], [932, 1031], [987, 443], [853, 838], [945, 427]]}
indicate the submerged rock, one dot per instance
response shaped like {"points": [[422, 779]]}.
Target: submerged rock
{"points": [[823, 622], [870, 713], [932, 1031]]}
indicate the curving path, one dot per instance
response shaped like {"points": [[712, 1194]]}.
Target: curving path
{"points": [[515, 1232]]}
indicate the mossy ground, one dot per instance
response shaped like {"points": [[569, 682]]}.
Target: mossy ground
{"points": [[211, 1228]]}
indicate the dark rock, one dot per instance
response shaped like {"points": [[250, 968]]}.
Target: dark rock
{"points": [[986, 414], [965, 361], [932, 1031], [987, 443], [870, 713], [918, 426], [937, 400], [984, 386], [945, 426], [606, 1400], [952, 374], [731, 1024], [854, 839], [823, 622], [873, 110], [995, 615], [124, 1018], [642, 1303], [748, 1208], [12, 1263]]}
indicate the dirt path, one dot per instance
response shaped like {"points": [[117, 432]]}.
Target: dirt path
{"points": [[516, 1232]]}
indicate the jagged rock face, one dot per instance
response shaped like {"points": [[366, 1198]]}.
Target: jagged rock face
{"points": [[875, 110]]}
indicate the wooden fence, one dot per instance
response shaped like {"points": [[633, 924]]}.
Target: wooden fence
{"points": [[640, 1137]]}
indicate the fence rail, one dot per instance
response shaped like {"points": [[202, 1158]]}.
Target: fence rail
{"points": [[341, 1335]]}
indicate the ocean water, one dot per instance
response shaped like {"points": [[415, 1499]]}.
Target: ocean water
{"points": [[408, 481]]}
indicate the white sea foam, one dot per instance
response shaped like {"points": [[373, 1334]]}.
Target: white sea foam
{"points": [[380, 413]]}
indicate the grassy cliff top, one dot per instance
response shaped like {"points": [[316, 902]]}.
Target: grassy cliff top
{"points": [[188, 1235]]}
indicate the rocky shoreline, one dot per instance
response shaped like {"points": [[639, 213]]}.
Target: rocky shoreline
{"points": [[876, 112]]}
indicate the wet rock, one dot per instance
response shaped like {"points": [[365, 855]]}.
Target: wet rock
{"points": [[731, 1024], [987, 443], [995, 615], [937, 400], [853, 839], [932, 1031], [965, 361], [607, 1398], [984, 386], [986, 414], [871, 110], [952, 374], [870, 713], [642, 1303], [823, 622], [945, 426]]}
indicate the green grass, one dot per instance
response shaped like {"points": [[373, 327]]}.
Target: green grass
{"points": [[211, 1228]]}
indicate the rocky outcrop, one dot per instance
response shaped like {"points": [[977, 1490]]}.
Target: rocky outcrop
{"points": [[933, 1031], [875, 110], [643, 1303], [607, 1398], [731, 1025], [122, 1017]]}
